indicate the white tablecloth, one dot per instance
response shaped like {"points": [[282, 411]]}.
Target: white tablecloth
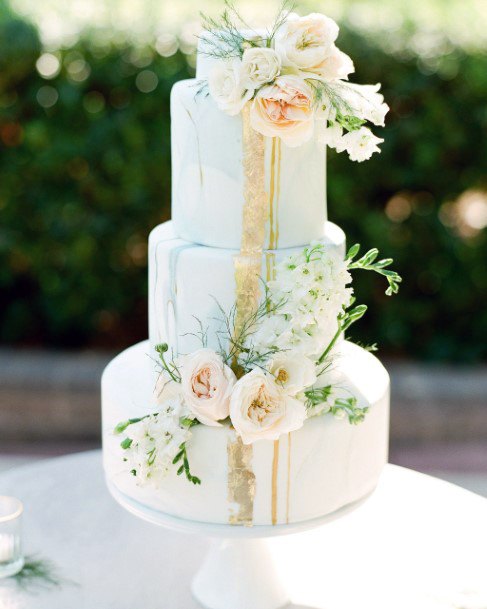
{"points": [[417, 543]]}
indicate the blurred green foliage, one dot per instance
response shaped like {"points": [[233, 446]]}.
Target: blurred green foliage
{"points": [[85, 175]]}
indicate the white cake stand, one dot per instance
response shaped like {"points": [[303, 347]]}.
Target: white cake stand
{"points": [[238, 571]]}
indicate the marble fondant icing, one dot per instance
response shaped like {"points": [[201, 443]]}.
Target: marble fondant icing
{"points": [[207, 178]]}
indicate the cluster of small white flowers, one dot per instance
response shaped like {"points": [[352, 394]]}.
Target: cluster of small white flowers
{"points": [[297, 85], [365, 103], [155, 441], [312, 287]]}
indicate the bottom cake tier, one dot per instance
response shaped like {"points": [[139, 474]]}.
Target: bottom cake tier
{"points": [[324, 466]]}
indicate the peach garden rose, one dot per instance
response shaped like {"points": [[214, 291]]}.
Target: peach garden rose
{"points": [[206, 384], [284, 109]]}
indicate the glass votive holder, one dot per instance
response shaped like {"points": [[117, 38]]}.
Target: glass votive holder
{"points": [[11, 557]]}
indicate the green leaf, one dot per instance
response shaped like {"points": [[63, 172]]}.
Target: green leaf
{"points": [[178, 457], [352, 316], [121, 427], [318, 395], [127, 443], [353, 251]]}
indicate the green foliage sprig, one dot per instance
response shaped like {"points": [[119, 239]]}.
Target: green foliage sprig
{"points": [[345, 320], [183, 456], [227, 40], [317, 396], [169, 366], [368, 263], [241, 355], [348, 407], [39, 573]]}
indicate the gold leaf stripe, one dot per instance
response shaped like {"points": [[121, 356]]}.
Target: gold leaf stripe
{"points": [[275, 471]]}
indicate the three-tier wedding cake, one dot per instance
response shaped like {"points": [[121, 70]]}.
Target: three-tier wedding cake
{"points": [[247, 405]]}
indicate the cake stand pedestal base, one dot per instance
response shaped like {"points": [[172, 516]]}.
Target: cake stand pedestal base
{"points": [[239, 571], [239, 574]]}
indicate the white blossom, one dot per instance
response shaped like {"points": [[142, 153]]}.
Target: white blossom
{"points": [[312, 287], [292, 371], [154, 442], [330, 136], [366, 102], [360, 144]]}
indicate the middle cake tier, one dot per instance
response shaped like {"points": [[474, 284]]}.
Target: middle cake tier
{"points": [[188, 283]]}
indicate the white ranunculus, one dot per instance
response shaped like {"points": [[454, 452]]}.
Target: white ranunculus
{"points": [[308, 44], [284, 109], [259, 66], [226, 87], [261, 410], [293, 372], [360, 144], [206, 383]]}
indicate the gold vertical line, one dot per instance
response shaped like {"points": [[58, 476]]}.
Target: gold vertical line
{"points": [[278, 193], [272, 180], [241, 482], [275, 471], [270, 263], [288, 487]]}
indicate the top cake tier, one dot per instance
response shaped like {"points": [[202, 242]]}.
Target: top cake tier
{"points": [[208, 180]]}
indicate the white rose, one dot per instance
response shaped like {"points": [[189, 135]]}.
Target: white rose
{"points": [[206, 383], [284, 109], [293, 372], [360, 144], [226, 87], [259, 66], [261, 410], [307, 43]]}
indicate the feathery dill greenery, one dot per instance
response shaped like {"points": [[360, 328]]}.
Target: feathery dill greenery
{"points": [[39, 572], [182, 456], [231, 34]]}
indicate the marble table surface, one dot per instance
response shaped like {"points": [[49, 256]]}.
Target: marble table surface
{"points": [[417, 543]]}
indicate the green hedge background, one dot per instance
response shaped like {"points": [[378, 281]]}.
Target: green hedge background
{"points": [[85, 175]]}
